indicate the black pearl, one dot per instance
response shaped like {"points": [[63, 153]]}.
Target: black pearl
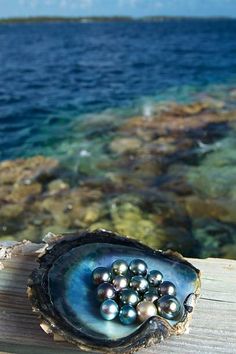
{"points": [[129, 297], [150, 295], [155, 277], [127, 315], [120, 267], [145, 310], [139, 283], [120, 282], [138, 267], [105, 291], [109, 309], [101, 275], [167, 288], [169, 307]]}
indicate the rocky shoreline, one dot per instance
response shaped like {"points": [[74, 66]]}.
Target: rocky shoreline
{"points": [[167, 179]]}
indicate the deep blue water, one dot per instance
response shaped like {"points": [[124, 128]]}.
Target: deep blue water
{"points": [[55, 73]]}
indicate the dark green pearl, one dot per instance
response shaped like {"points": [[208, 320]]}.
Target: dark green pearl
{"points": [[169, 307], [155, 277], [150, 295], [120, 282], [101, 275], [105, 291], [120, 267], [129, 297], [127, 315], [109, 309], [139, 283], [167, 288], [138, 267]]}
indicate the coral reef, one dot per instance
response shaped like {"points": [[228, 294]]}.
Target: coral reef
{"points": [[167, 179]]}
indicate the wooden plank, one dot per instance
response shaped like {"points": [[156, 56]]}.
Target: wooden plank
{"points": [[213, 329]]}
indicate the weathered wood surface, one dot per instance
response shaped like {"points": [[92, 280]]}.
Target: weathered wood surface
{"points": [[213, 329]]}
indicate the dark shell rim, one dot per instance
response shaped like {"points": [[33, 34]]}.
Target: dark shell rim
{"points": [[151, 331]]}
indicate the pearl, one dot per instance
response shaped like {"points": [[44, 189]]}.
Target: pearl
{"points": [[105, 291], [169, 307], [120, 282], [120, 267], [101, 275], [109, 309], [167, 288], [139, 283], [127, 315], [145, 310], [151, 295], [129, 296], [138, 267], [155, 277]]}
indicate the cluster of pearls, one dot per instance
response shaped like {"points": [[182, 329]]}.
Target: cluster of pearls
{"points": [[132, 293]]}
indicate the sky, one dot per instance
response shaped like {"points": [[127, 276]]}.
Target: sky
{"points": [[135, 8]]}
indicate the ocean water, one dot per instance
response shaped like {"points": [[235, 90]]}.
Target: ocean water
{"points": [[85, 95], [53, 74]]}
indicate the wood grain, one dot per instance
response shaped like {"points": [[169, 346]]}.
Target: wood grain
{"points": [[213, 329]]}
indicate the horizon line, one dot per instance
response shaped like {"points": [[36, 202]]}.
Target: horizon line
{"points": [[127, 17]]}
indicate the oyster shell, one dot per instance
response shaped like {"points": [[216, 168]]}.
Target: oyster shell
{"points": [[62, 293]]}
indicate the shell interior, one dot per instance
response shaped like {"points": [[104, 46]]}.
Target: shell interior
{"points": [[73, 295]]}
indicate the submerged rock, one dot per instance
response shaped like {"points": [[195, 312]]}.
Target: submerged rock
{"points": [[213, 236], [57, 185], [124, 145], [11, 211], [215, 177], [229, 251], [222, 209], [24, 192], [26, 171], [130, 219], [190, 109], [31, 233]]}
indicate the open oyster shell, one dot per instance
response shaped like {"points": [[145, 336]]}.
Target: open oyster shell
{"points": [[62, 293]]}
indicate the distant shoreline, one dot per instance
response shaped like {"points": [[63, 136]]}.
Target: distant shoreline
{"points": [[92, 19]]}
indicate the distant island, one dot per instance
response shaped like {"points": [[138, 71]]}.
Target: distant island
{"points": [[48, 19]]}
